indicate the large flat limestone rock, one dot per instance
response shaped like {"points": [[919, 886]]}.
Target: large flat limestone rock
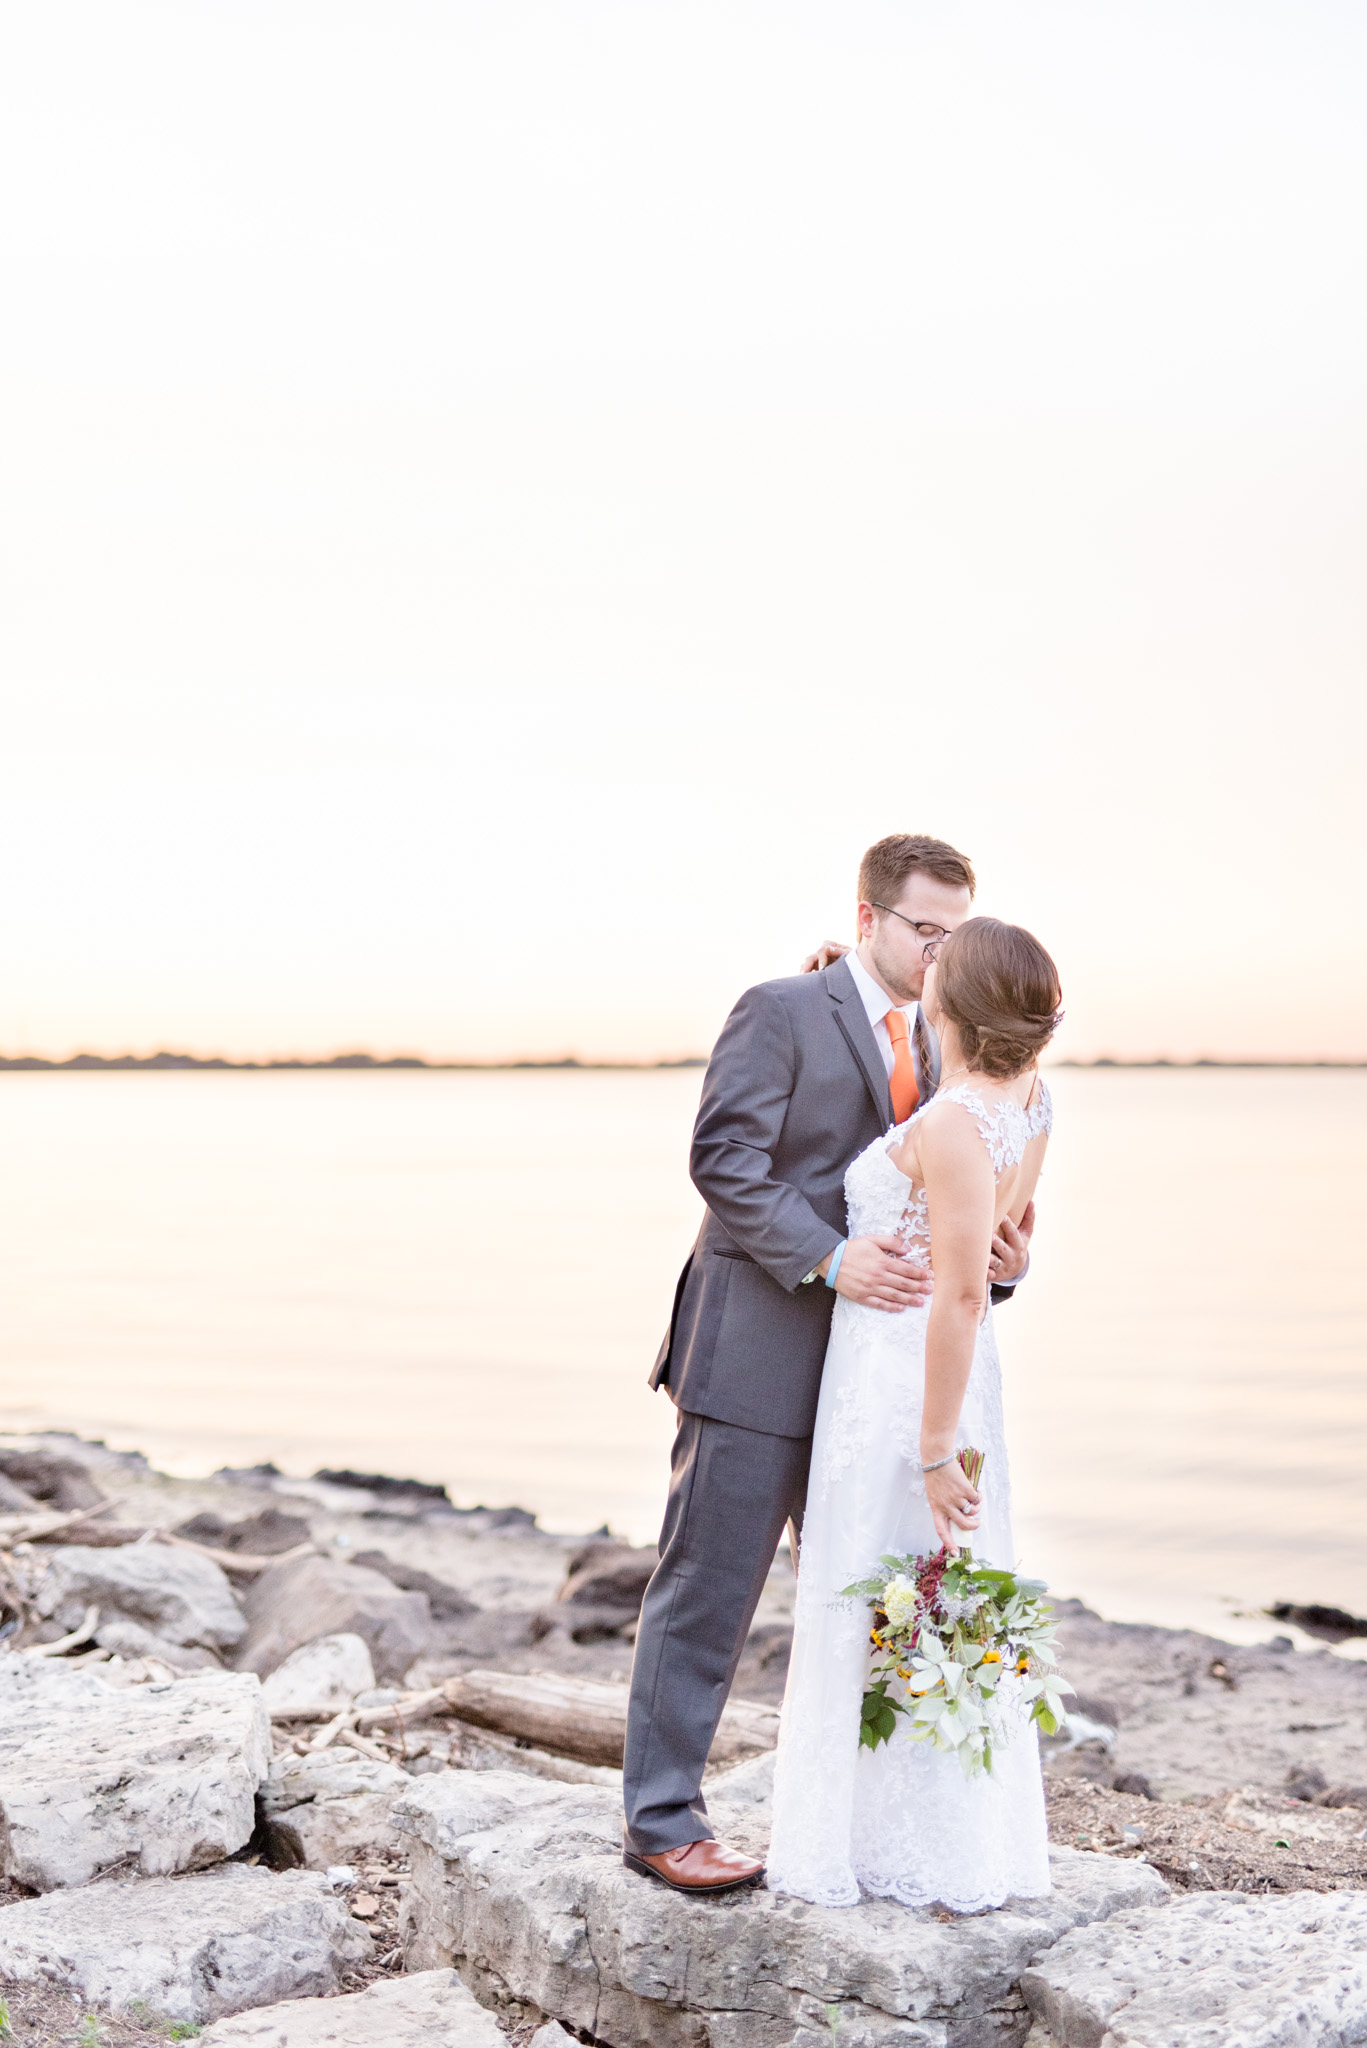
{"points": [[156, 1778], [522, 1883], [430, 2010], [1213, 1970], [190, 1948]]}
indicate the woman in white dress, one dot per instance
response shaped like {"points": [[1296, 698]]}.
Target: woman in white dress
{"points": [[901, 1394]]}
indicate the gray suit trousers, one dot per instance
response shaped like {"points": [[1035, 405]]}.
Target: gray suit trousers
{"points": [[730, 1493]]}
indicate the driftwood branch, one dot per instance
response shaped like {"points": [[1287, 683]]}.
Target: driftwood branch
{"points": [[65, 1643], [15, 1529], [483, 1744], [576, 1717], [403, 1712], [567, 1717], [400, 1713], [237, 1560], [365, 1746], [330, 1730]]}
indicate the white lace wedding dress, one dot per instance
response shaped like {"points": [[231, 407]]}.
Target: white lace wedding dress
{"points": [[901, 1821]]}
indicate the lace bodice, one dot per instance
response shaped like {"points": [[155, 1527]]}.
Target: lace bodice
{"points": [[881, 1198]]}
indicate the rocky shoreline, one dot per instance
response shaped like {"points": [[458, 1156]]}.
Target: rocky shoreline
{"points": [[272, 1748]]}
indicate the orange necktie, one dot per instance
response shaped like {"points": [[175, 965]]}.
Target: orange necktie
{"points": [[905, 1093]]}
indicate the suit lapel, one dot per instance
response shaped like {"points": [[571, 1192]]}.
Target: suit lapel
{"points": [[853, 1021]]}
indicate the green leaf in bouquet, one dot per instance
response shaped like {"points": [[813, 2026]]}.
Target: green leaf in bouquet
{"points": [[1046, 1720], [878, 1715]]}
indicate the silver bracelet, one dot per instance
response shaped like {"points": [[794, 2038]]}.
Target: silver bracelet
{"points": [[938, 1463]]}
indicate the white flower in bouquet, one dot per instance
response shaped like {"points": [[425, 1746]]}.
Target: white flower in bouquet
{"points": [[965, 1653], [901, 1602]]}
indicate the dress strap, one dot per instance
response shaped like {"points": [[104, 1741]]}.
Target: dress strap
{"points": [[1007, 1127]]}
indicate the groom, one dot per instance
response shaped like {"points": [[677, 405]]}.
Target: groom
{"points": [[806, 1073]]}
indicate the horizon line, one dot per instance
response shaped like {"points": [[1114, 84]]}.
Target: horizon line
{"points": [[366, 1062]]}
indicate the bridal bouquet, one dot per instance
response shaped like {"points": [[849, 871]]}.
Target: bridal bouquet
{"points": [[950, 1632]]}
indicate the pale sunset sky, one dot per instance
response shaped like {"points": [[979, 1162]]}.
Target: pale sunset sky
{"points": [[502, 502]]}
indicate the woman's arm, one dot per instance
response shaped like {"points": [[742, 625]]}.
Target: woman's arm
{"points": [[961, 1200]]}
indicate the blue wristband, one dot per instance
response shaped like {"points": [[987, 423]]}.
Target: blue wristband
{"points": [[836, 1256]]}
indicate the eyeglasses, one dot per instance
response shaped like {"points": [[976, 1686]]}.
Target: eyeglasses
{"points": [[932, 936]]}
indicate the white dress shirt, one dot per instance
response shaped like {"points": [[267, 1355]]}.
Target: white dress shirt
{"points": [[877, 1002]]}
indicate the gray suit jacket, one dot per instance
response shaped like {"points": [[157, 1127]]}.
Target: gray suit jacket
{"points": [[795, 1088]]}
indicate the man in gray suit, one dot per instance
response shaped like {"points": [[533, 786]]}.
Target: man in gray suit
{"points": [[806, 1073]]}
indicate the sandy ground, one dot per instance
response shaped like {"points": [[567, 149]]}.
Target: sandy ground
{"points": [[1197, 1716]]}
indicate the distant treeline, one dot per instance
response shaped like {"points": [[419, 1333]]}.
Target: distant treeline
{"points": [[1294, 1066], [180, 1062]]}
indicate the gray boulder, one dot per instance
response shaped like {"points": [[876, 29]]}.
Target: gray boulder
{"points": [[260, 1535], [294, 1604], [179, 1596], [130, 1639], [14, 1500], [190, 1948], [319, 1680], [609, 1575], [159, 1777], [58, 1482], [331, 1806], [1212, 1970], [447, 1602], [431, 2010], [524, 1881]]}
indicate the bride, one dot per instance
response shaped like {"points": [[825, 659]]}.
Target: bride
{"points": [[901, 1395]]}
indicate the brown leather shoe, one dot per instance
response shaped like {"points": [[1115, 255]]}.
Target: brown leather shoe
{"points": [[698, 1867]]}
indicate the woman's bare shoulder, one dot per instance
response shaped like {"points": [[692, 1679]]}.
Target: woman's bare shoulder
{"points": [[952, 1130]]}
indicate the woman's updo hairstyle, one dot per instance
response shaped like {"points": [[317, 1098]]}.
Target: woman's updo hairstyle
{"points": [[997, 984]]}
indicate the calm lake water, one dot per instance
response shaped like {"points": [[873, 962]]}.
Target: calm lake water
{"points": [[465, 1277]]}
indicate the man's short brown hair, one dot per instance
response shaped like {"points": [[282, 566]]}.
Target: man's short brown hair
{"points": [[885, 867]]}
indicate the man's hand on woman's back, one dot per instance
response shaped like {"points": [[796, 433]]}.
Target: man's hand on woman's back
{"points": [[875, 1272], [1011, 1249]]}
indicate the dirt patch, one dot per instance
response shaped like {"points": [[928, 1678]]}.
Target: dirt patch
{"points": [[42, 2017], [1223, 1842], [374, 1901]]}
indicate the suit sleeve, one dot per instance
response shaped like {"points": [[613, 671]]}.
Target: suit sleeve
{"points": [[749, 1085]]}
